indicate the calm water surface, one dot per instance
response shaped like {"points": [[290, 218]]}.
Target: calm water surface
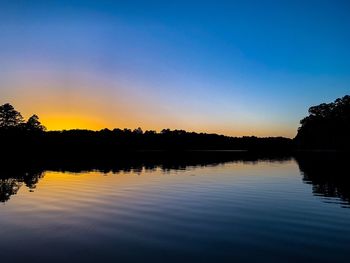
{"points": [[264, 211]]}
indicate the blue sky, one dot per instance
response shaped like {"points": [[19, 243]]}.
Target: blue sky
{"points": [[233, 67]]}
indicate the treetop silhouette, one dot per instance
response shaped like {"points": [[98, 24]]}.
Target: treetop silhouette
{"points": [[33, 124], [9, 117], [13, 120], [327, 126]]}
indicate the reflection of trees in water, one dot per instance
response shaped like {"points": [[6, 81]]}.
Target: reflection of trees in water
{"points": [[136, 162], [328, 174], [8, 187], [11, 182]]}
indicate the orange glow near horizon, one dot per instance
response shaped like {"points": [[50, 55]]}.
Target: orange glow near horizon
{"points": [[70, 122], [82, 104], [84, 122], [54, 118]]}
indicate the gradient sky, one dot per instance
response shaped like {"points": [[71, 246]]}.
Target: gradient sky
{"points": [[231, 67]]}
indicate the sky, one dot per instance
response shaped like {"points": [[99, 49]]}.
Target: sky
{"points": [[229, 67]]}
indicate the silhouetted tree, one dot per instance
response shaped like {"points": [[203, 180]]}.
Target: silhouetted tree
{"points": [[33, 124], [138, 131], [9, 117], [165, 131], [327, 126], [150, 132]]}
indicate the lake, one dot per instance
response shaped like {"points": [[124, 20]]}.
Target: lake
{"points": [[261, 210]]}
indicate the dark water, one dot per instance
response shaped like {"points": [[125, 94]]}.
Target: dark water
{"points": [[292, 210]]}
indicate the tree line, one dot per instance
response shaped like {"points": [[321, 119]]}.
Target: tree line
{"points": [[31, 135], [326, 127], [326, 172]]}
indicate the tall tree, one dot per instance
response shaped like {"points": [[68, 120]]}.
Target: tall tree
{"points": [[9, 117]]}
